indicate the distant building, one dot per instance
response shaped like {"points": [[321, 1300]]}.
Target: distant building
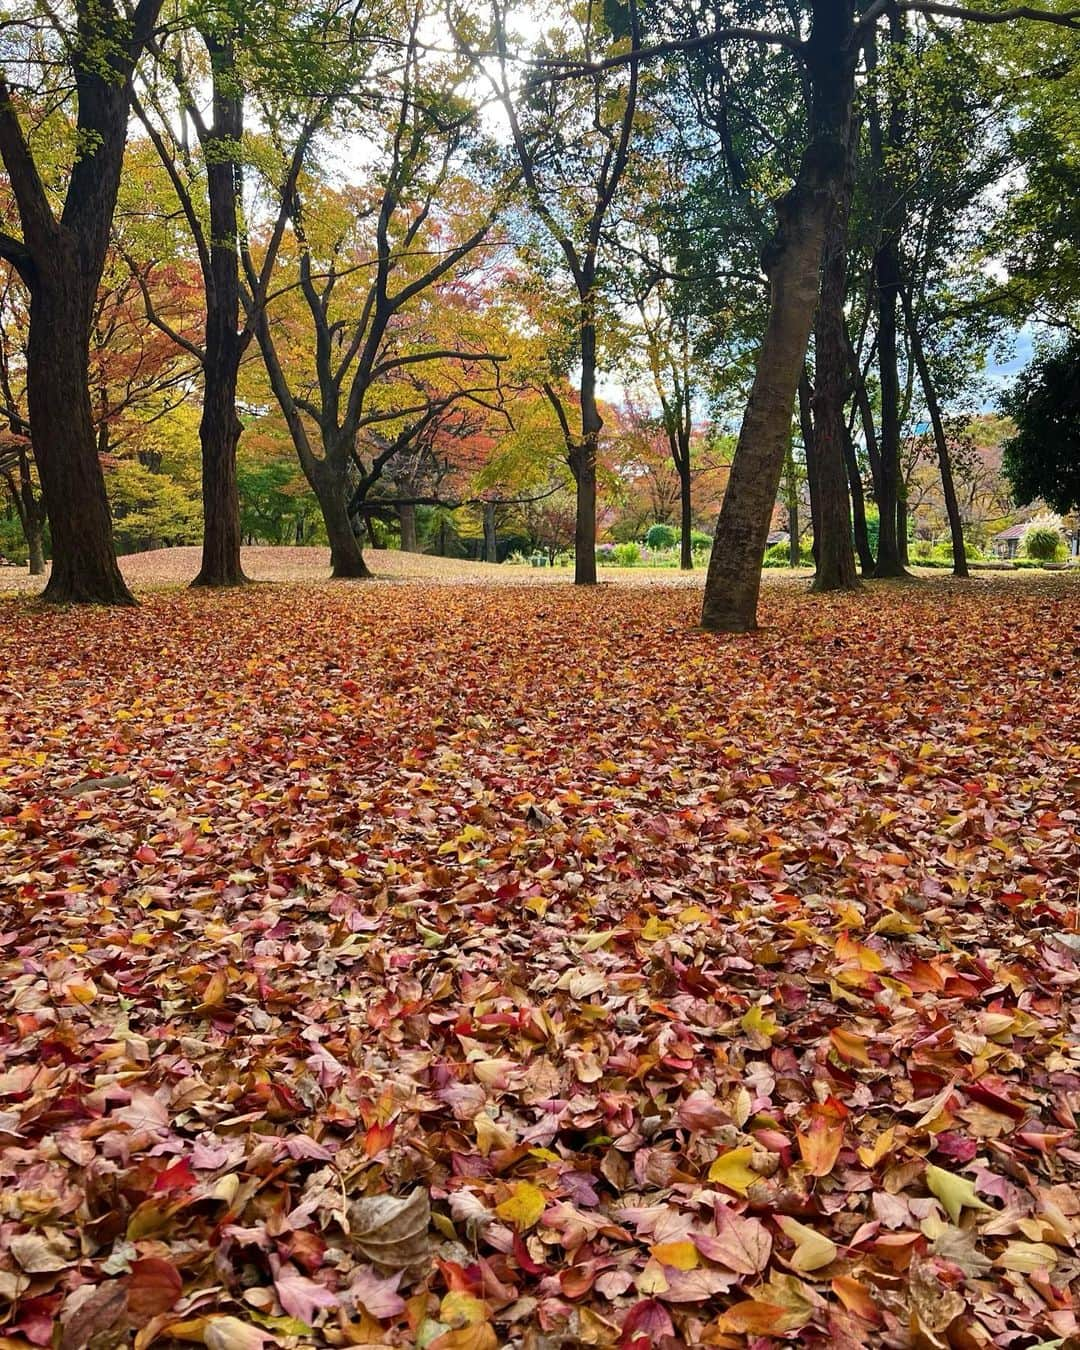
{"points": [[1007, 542]]}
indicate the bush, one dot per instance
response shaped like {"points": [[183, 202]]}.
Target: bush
{"points": [[605, 555], [626, 555], [1043, 543], [661, 536], [700, 541]]}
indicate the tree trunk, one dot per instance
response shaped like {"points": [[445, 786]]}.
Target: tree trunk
{"points": [[407, 522], [889, 559], [858, 506], [219, 429], [491, 536], [806, 426], [583, 460], [948, 485], [346, 555], [793, 264], [84, 570], [834, 554], [686, 506], [36, 545], [791, 501]]}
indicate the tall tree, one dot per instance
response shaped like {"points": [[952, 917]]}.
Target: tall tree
{"points": [[573, 139], [60, 258]]}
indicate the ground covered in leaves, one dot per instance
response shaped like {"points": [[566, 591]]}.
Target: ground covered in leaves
{"points": [[460, 967]]}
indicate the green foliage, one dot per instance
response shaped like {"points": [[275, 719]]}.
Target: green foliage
{"points": [[151, 510], [780, 556], [661, 536], [626, 555], [1044, 543], [700, 542], [1043, 458]]}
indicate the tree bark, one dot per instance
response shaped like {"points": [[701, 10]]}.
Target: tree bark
{"points": [[583, 459], [346, 556], [806, 427], [686, 507], [792, 264], [407, 522], [858, 507], [941, 441], [35, 543], [219, 428], [834, 553], [491, 536], [84, 569]]}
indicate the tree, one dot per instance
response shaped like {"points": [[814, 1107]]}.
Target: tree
{"points": [[573, 138], [1042, 460], [221, 49], [345, 341], [60, 258]]}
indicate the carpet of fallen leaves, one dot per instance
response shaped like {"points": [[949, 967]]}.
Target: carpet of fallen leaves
{"points": [[461, 968]]}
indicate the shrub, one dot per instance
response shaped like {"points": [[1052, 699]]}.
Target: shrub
{"points": [[605, 555], [1043, 543], [661, 536], [626, 555], [699, 540]]}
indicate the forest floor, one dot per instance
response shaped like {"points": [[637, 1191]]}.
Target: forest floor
{"points": [[473, 967], [176, 567]]}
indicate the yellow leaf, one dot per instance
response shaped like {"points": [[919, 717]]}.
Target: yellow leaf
{"points": [[871, 1154], [654, 929], [523, 1206], [757, 1022], [812, 1249], [462, 1310], [955, 1193], [733, 1170], [850, 1046], [1026, 1257], [680, 1255]]}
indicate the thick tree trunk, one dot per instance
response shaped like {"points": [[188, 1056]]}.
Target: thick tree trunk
{"points": [[219, 434], [407, 522], [941, 441], [346, 555], [793, 266], [84, 570], [583, 460], [219, 430], [491, 534], [834, 553], [686, 509]]}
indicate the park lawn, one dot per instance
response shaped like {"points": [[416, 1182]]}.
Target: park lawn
{"points": [[677, 990]]}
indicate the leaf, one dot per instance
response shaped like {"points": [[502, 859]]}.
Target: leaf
{"points": [[40, 1253], [820, 1146], [153, 1287], [955, 1193], [391, 1232], [300, 1296], [850, 1047], [733, 1170], [741, 1244], [523, 1206], [812, 1248], [680, 1255], [230, 1333]]}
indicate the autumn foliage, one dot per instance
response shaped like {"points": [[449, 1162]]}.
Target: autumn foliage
{"points": [[518, 966]]}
